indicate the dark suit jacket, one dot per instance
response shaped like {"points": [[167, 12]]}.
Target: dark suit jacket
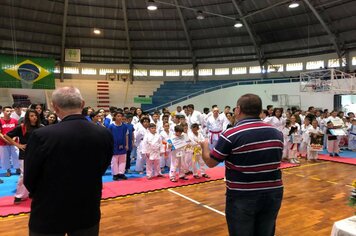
{"points": [[64, 164]]}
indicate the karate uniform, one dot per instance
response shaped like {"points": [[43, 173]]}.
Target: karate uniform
{"points": [[152, 148], [197, 160], [214, 127]]}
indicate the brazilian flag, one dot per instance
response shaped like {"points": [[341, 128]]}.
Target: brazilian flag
{"points": [[27, 73]]}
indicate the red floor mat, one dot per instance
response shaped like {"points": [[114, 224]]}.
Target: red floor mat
{"points": [[345, 160], [124, 188]]}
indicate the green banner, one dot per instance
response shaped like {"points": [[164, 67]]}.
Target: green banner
{"points": [[25, 72], [143, 100]]}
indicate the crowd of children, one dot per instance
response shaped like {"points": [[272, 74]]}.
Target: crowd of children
{"points": [[170, 141]]}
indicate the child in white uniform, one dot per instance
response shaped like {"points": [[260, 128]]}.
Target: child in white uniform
{"points": [[352, 136], [198, 163], [177, 156], [313, 130], [166, 157], [152, 148], [305, 137], [140, 132]]}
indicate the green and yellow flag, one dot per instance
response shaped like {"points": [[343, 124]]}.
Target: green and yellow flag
{"points": [[28, 73]]}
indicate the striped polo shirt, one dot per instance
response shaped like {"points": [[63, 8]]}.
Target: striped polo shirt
{"points": [[252, 151]]}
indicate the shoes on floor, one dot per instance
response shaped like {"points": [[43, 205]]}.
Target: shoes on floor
{"points": [[160, 175], [149, 177], [336, 155], [196, 176], [17, 200], [173, 180], [122, 176], [206, 176], [332, 155], [115, 177], [18, 171], [296, 161], [183, 178]]}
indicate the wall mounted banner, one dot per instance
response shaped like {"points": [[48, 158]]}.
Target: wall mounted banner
{"points": [[27, 73]]}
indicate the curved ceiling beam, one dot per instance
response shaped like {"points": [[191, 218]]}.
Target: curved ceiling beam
{"points": [[333, 37], [64, 29], [128, 42], [189, 40], [260, 55]]}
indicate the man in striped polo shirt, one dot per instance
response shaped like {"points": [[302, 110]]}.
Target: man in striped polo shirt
{"points": [[252, 151]]}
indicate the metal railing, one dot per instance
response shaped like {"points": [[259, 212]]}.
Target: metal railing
{"points": [[222, 86]]}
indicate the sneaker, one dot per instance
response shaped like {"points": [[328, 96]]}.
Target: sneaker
{"points": [[115, 178], [196, 176], [189, 173], [296, 161], [18, 171], [291, 161], [8, 173], [149, 177], [17, 200], [173, 180], [336, 155], [331, 154], [183, 178], [206, 176], [160, 175], [122, 176]]}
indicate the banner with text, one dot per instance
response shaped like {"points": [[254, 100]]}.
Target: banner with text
{"points": [[27, 73]]}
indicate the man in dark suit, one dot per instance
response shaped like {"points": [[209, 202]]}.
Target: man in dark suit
{"points": [[64, 164]]}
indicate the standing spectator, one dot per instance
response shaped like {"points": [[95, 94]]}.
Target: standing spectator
{"points": [[252, 152], [7, 151], [17, 113], [64, 168], [31, 122]]}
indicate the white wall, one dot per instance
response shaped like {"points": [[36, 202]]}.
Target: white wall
{"points": [[230, 95]]}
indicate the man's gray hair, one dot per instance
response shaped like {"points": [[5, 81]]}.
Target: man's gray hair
{"points": [[67, 98]]}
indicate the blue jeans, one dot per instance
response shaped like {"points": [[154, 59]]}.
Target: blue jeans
{"points": [[253, 214]]}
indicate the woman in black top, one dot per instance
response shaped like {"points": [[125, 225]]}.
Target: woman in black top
{"points": [[31, 122]]}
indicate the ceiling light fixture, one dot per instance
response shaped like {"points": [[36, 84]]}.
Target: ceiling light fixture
{"points": [[294, 4], [151, 5], [97, 31], [200, 15], [238, 24]]}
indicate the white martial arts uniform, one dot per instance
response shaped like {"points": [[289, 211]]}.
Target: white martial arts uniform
{"points": [[152, 148]]}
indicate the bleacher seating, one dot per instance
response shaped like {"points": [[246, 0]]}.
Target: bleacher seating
{"points": [[178, 91]]}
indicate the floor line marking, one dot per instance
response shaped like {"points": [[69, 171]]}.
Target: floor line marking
{"points": [[196, 202]]}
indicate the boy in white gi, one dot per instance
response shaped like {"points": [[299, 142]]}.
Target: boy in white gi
{"points": [[152, 149], [198, 163], [313, 130], [333, 141], [140, 132], [305, 137], [177, 156], [166, 157]]}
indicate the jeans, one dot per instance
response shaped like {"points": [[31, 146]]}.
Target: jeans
{"points": [[253, 214]]}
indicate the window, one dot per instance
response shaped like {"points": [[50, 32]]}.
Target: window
{"points": [[294, 66], [71, 70], [123, 71], [205, 71], [222, 71], [188, 72], [275, 68], [156, 72], [239, 70], [140, 72], [255, 69], [312, 65], [172, 72], [88, 71], [57, 70], [354, 61], [104, 71]]}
